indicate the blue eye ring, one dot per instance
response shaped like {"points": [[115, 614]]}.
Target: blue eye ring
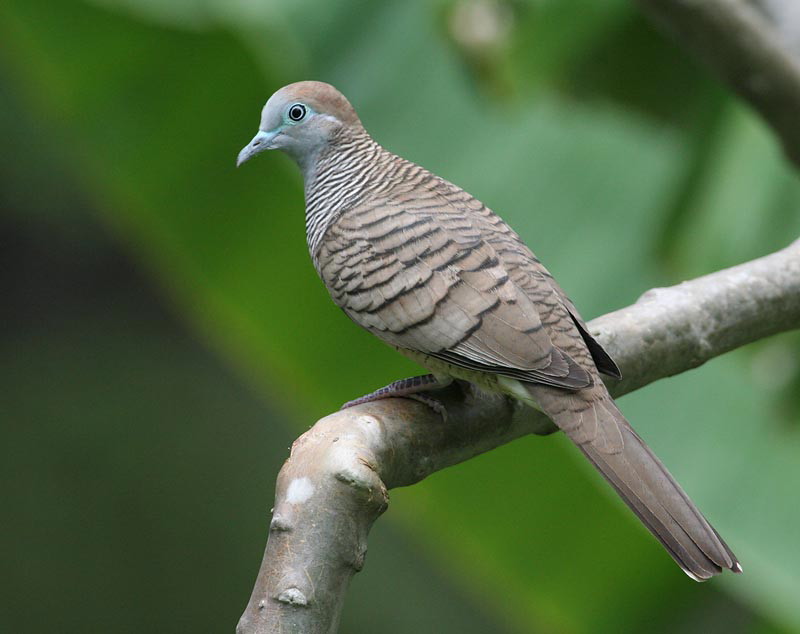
{"points": [[296, 112]]}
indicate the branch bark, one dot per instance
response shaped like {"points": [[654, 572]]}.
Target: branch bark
{"points": [[748, 51], [334, 485]]}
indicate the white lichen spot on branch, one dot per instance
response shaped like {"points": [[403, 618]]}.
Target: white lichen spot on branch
{"points": [[299, 491]]}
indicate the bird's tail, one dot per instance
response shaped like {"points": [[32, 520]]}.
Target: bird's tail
{"points": [[591, 419]]}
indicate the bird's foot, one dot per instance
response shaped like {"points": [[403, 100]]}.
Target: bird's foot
{"points": [[414, 387]]}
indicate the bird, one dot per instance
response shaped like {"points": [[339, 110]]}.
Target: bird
{"points": [[436, 274]]}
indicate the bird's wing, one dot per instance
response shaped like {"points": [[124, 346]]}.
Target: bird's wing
{"points": [[532, 276], [429, 275]]}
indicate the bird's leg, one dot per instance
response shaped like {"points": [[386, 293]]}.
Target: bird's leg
{"points": [[414, 387]]}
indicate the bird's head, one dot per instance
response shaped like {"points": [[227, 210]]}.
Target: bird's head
{"points": [[301, 119]]}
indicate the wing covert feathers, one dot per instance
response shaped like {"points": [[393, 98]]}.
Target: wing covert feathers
{"points": [[594, 423], [440, 274]]}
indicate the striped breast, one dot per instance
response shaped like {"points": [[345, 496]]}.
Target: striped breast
{"points": [[429, 269]]}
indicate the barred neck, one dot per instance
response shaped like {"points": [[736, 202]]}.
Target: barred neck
{"points": [[338, 180]]}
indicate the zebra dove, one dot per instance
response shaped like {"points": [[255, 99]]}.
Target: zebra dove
{"points": [[433, 272]]}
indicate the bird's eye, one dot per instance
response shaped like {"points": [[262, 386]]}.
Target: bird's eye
{"points": [[297, 112]]}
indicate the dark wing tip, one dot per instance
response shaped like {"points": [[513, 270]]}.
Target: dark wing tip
{"points": [[601, 358]]}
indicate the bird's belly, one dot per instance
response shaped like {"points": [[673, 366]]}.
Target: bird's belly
{"points": [[485, 381]]}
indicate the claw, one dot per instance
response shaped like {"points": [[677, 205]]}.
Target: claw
{"points": [[413, 387]]}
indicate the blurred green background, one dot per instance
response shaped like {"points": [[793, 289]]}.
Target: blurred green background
{"points": [[164, 337]]}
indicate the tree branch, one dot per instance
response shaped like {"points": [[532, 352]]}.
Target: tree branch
{"points": [[747, 51], [334, 485]]}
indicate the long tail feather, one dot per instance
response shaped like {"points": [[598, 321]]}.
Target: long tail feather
{"points": [[591, 419]]}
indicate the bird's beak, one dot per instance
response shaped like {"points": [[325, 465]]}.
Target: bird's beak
{"points": [[260, 142]]}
